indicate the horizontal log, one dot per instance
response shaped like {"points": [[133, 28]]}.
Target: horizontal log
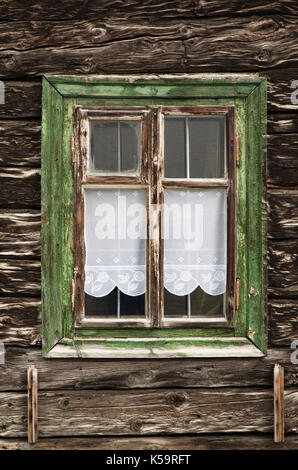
{"points": [[20, 187], [226, 441], [212, 45], [282, 213], [20, 277], [23, 277], [74, 374], [148, 9], [19, 233], [282, 160], [283, 269], [21, 100], [282, 123], [20, 322], [20, 229], [173, 411], [19, 143], [283, 322], [28, 35], [280, 91]]}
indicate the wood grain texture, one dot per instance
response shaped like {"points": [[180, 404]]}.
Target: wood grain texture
{"points": [[283, 323], [28, 35], [227, 441], [283, 269], [279, 90], [282, 214], [187, 46], [19, 233], [20, 322], [22, 100], [149, 9], [20, 277], [20, 187], [283, 123], [19, 143], [150, 412], [282, 160], [63, 374]]}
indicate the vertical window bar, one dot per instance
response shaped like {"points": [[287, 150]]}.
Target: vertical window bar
{"points": [[188, 306], [118, 303], [119, 169], [119, 148], [187, 147], [187, 176]]}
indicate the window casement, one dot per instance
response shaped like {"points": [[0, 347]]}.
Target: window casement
{"points": [[153, 216]]}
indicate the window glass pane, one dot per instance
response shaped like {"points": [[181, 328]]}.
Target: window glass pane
{"points": [[115, 305], [115, 251], [114, 146], [198, 303], [175, 148], [195, 251], [194, 147]]}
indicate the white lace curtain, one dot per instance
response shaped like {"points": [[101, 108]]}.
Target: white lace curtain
{"points": [[194, 241]]}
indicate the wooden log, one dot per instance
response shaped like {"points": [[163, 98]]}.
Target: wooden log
{"points": [[20, 187], [283, 123], [282, 269], [148, 9], [21, 100], [19, 233], [74, 374], [227, 441], [28, 35], [20, 277], [23, 276], [283, 316], [19, 143], [20, 324], [282, 213], [279, 90], [20, 321], [282, 160], [257, 44], [150, 412]]}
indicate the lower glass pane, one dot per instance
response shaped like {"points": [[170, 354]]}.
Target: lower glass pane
{"points": [[115, 305], [196, 304]]}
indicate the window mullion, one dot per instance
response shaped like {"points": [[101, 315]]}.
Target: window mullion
{"points": [[155, 258]]}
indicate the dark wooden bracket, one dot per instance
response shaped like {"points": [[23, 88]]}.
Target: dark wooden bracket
{"points": [[32, 387], [279, 419]]}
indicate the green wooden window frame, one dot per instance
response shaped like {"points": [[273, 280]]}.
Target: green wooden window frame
{"points": [[62, 337]]}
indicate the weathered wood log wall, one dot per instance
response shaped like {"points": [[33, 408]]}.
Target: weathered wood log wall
{"points": [[165, 404]]}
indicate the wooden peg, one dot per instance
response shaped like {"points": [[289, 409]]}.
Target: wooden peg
{"points": [[279, 420], [32, 385]]}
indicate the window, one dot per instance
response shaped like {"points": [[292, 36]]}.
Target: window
{"points": [[153, 216]]}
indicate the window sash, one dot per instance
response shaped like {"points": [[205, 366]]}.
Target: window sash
{"points": [[152, 178]]}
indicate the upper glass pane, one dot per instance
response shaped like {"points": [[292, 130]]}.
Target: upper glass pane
{"points": [[114, 147], [194, 147]]}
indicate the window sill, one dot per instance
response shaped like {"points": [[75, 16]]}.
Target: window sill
{"points": [[153, 348]]}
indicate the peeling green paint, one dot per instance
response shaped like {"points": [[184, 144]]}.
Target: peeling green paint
{"points": [[60, 96]]}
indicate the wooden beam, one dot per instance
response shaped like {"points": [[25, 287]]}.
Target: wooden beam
{"points": [[32, 385], [279, 423]]}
